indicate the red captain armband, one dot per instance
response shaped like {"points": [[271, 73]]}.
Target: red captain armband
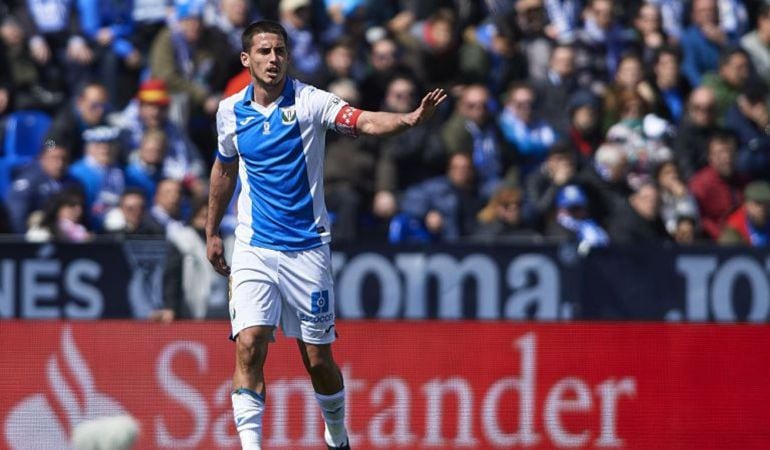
{"points": [[345, 122]]}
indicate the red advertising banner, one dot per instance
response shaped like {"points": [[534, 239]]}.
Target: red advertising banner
{"points": [[410, 385]]}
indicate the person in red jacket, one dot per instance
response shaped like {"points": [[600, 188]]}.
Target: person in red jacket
{"points": [[717, 188], [750, 224]]}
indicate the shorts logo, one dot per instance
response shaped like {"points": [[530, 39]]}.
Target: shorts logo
{"points": [[319, 302], [288, 115]]}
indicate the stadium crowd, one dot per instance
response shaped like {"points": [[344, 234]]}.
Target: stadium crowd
{"points": [[587, 120]]}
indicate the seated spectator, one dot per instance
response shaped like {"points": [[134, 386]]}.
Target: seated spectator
{"points": [[585, 131], [102, 180], [674, 195], [145, 165], [628, 78], [749, 118], [639, 222], [131, 218], [717, 188], [687, 229], [573, 222], [384, 66], [191, 287], [341, 63], [88, 110], [556, 89], [431, 47], [531, 19], [150, 110], [36, 184], [542, 185], [167, 205], [599, 44], [669, 88], [62, 219], [529, 134], [648, 28], [733, 74], [447, 205], [695, 131], [501, 219], [750, 224], [757, 43], [471, 126], [702, 41]]}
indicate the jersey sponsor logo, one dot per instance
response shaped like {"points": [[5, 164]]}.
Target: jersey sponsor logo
{"points": [[247, 120], [288, 115], [323, 318], [319, 302]]}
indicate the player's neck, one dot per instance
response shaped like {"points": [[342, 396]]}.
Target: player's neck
{"points": [[264, 95]]}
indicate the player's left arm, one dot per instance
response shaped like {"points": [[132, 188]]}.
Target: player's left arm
{"points": [[385, 123]]}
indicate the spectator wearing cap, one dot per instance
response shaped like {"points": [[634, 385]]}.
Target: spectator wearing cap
{"points": [[749, 118], [150, 111], [727, 83], [702, 41], [585, 131], [717, 188], [750, 224], [194, 60], [543, 184], [88, 110], [573, 222], [102, 180], [695, 131], [36, 184], [639, 222], [306, 56]]}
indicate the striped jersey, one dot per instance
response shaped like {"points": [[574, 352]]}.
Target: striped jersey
{"points": [[281, 150]]}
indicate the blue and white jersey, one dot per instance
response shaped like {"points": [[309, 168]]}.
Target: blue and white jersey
{"points": [[281, 149]]}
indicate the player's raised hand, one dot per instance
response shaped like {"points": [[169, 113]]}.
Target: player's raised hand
{"points": [[216, 254], [427, 106]]}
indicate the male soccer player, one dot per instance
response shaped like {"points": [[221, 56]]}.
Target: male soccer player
{"points": [[271, 134]]}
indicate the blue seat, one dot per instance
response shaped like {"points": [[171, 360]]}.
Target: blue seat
{"points": [[24, 134], [405, 229]]}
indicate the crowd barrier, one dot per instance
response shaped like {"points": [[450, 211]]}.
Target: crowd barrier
{"points": [[410, 385], [502, 282]]}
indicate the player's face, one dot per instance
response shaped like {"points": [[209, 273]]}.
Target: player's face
{"points": [[267, 59]]}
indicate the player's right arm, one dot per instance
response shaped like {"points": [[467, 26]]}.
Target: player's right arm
{"points": [[221, 186]]}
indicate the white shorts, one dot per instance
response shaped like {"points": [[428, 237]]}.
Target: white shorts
{"points": [[293, 289]]}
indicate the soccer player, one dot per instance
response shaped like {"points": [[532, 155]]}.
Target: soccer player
{"points": [[271, 135]]}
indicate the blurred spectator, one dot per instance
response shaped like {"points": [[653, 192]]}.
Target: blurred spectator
{"points": [[167, 205], [573, 222], [341, 63], [194, 60], [702, 41], [733, 18], [749, 118], [555, 90], [672, 13], [563, 18], [686, 231], [131, 218], [734, 72], [648, 27], [447, 205], [109, 27], [717, 188], [431, 48], [102, 180], [190, 284], [529, 134], [407, 158], [472, 127], [145, 165], [675, 198], [30, 86], [36, 184], [501, 219], [543, 184], [88, 110], [627, 79], [757, 43], [384, 66], [585, 131], [691, 144], [639, 222], [599, 44], [605, 181], [750, 224], [669, 88], [149, 18], [306, 61], [531, 19], [62, 219], [231, 17], [150, 110]]}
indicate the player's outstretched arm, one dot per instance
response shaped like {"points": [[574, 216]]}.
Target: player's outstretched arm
{"points": [[385, 123], [222, 185]]}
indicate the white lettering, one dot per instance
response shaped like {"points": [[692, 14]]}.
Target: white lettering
{"points": [[352, 386], [555, 404], [75, 277], [610, 391], [280, 392], [224, 422], [395, 417], [434, 391]]}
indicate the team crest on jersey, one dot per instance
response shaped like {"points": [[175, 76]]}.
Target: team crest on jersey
{"points": [[288, 115]]}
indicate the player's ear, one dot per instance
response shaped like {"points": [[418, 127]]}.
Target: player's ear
{"points": [[245, 59]]}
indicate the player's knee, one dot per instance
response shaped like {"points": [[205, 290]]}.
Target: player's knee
{"points": [[252, 345], [322, 366]]}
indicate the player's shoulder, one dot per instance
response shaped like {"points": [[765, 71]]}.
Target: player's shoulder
{"points": [[228, 103]]}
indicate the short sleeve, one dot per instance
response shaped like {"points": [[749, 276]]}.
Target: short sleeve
{"points": [[226, 148], [324, 106]]}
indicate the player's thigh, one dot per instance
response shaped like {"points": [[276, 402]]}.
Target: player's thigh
{"points": [[308, 290], [255, 299]]}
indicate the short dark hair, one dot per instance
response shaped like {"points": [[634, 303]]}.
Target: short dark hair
{"points": [[723, 135], [262, 26]]}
